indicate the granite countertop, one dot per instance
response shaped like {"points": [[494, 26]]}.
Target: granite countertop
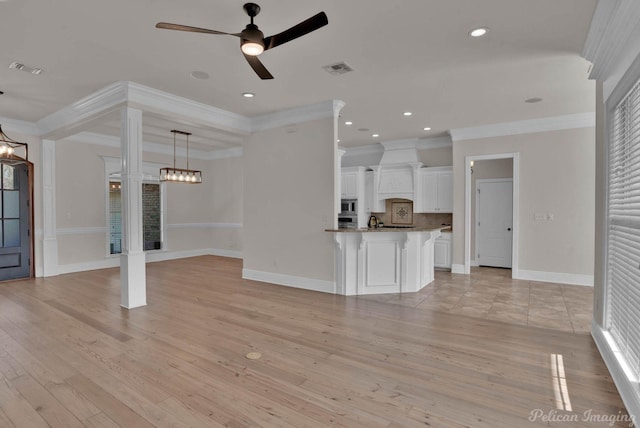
{"points": [[392, 229]]}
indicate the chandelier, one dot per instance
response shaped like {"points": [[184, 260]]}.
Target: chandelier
{"points": [[8, 149], [180, 175]]}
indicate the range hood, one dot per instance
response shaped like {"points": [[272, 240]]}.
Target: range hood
{"points": [[398, 170]]}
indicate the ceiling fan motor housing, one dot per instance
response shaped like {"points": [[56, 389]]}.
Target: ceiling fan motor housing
{"points": [[252, 9]]}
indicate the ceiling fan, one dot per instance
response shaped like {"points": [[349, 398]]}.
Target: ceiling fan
{"points": [[252, 40]]}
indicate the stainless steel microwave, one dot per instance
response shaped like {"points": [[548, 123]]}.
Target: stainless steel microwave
{"points": [[349, 207]]}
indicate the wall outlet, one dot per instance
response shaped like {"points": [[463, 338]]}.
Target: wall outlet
{"points": [[539, 217]]}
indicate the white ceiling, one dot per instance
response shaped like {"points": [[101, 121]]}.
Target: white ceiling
{"points": [[407, 55]]}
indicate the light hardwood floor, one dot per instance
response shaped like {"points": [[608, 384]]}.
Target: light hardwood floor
{"points": [[71, 357]]}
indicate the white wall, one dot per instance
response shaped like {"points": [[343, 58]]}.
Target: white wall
{"points": [[288, 202], [556, 177], [199, 217]]}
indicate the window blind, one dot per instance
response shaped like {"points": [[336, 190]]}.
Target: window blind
{"points": [[623, 271]]}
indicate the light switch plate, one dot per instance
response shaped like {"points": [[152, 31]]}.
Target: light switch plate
{"points": [[539, 216]]}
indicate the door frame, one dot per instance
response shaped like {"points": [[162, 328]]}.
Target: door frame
{"points": [[477, 211], [30, 214], [515, 200]]}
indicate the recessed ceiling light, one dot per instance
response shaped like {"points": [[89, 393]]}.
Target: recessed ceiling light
{"points": [[375, 135], [478, 32], [426, 128], [202, 75], [338, 140], [407, 113], [533, 100], [348, 123], [248, 94]]}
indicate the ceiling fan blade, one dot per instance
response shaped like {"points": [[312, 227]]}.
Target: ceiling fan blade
{"points": [[169, 26], [257, 66], [305, 27]]}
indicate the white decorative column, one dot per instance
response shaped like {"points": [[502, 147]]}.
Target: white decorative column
{"points": [[49, 239], [132, 260]]}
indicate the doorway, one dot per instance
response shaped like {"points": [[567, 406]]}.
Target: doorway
{"points": [[15, 221], [494, 222], [472, 174]]}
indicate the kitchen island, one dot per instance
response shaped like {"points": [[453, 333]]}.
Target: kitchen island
{"points": [[383, 260]]}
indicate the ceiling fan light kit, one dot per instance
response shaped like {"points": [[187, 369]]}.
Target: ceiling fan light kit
{"points": [[252, 40]]}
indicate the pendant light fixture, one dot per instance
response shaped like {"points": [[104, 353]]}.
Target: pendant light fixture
{"points": [[180, 175], [8, 147]]}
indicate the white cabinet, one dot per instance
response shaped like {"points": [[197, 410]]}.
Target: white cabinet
{"points": [[373, 203], [349, 185], [368, 192], [442, 251], [436, 190]]}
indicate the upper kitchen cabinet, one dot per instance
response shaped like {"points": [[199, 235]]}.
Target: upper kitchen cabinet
{"points": [[349, 184], [436, 190]]}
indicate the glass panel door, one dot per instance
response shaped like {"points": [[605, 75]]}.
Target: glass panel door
{"points": [[15, 244]]}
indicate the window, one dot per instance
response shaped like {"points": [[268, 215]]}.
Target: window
{"points": [[623, 252], [151, 216], [9, 208]]}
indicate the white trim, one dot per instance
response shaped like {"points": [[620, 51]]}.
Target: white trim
{"points": [[474, 263], [369, 149], [63, 122], [19, 126], [516, 209], [434, 143], [151, 257], [233, 152], [558, 277], [570, 121], [629, 391], [457, 268], [80, 230], [205, 226], [149, 147], [322, 110], [613, 25], [160, 256], [290, 281], [110, 262], [154, 100]]}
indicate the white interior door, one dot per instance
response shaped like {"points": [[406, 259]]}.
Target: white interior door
{"points": [[494, 222]]}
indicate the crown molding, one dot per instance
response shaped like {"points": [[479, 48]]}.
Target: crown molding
{"points": [[19, 126], [149, 147], [614, 24], [369, 149], [71, 119], [233, 152], [152, 100], [322, 110], [557, 123], [63, 122], [434, 143], [378, 148]]}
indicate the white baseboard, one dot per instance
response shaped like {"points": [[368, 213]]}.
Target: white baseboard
{"points": [[629, 391], [290, 281], [559, 277], [85, 266], [474, 263], [157, 256], [457, 268]]}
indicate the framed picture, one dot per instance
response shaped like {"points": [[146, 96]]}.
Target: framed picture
{"points": [[401, 212]]}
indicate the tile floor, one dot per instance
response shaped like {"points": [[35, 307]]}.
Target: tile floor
{"points": [[490, 293]]}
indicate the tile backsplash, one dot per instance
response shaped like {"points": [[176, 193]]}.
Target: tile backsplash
{"points": [[419, 219]]}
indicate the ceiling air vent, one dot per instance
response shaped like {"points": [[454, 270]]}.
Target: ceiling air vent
{"points": [[337, 68]]}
